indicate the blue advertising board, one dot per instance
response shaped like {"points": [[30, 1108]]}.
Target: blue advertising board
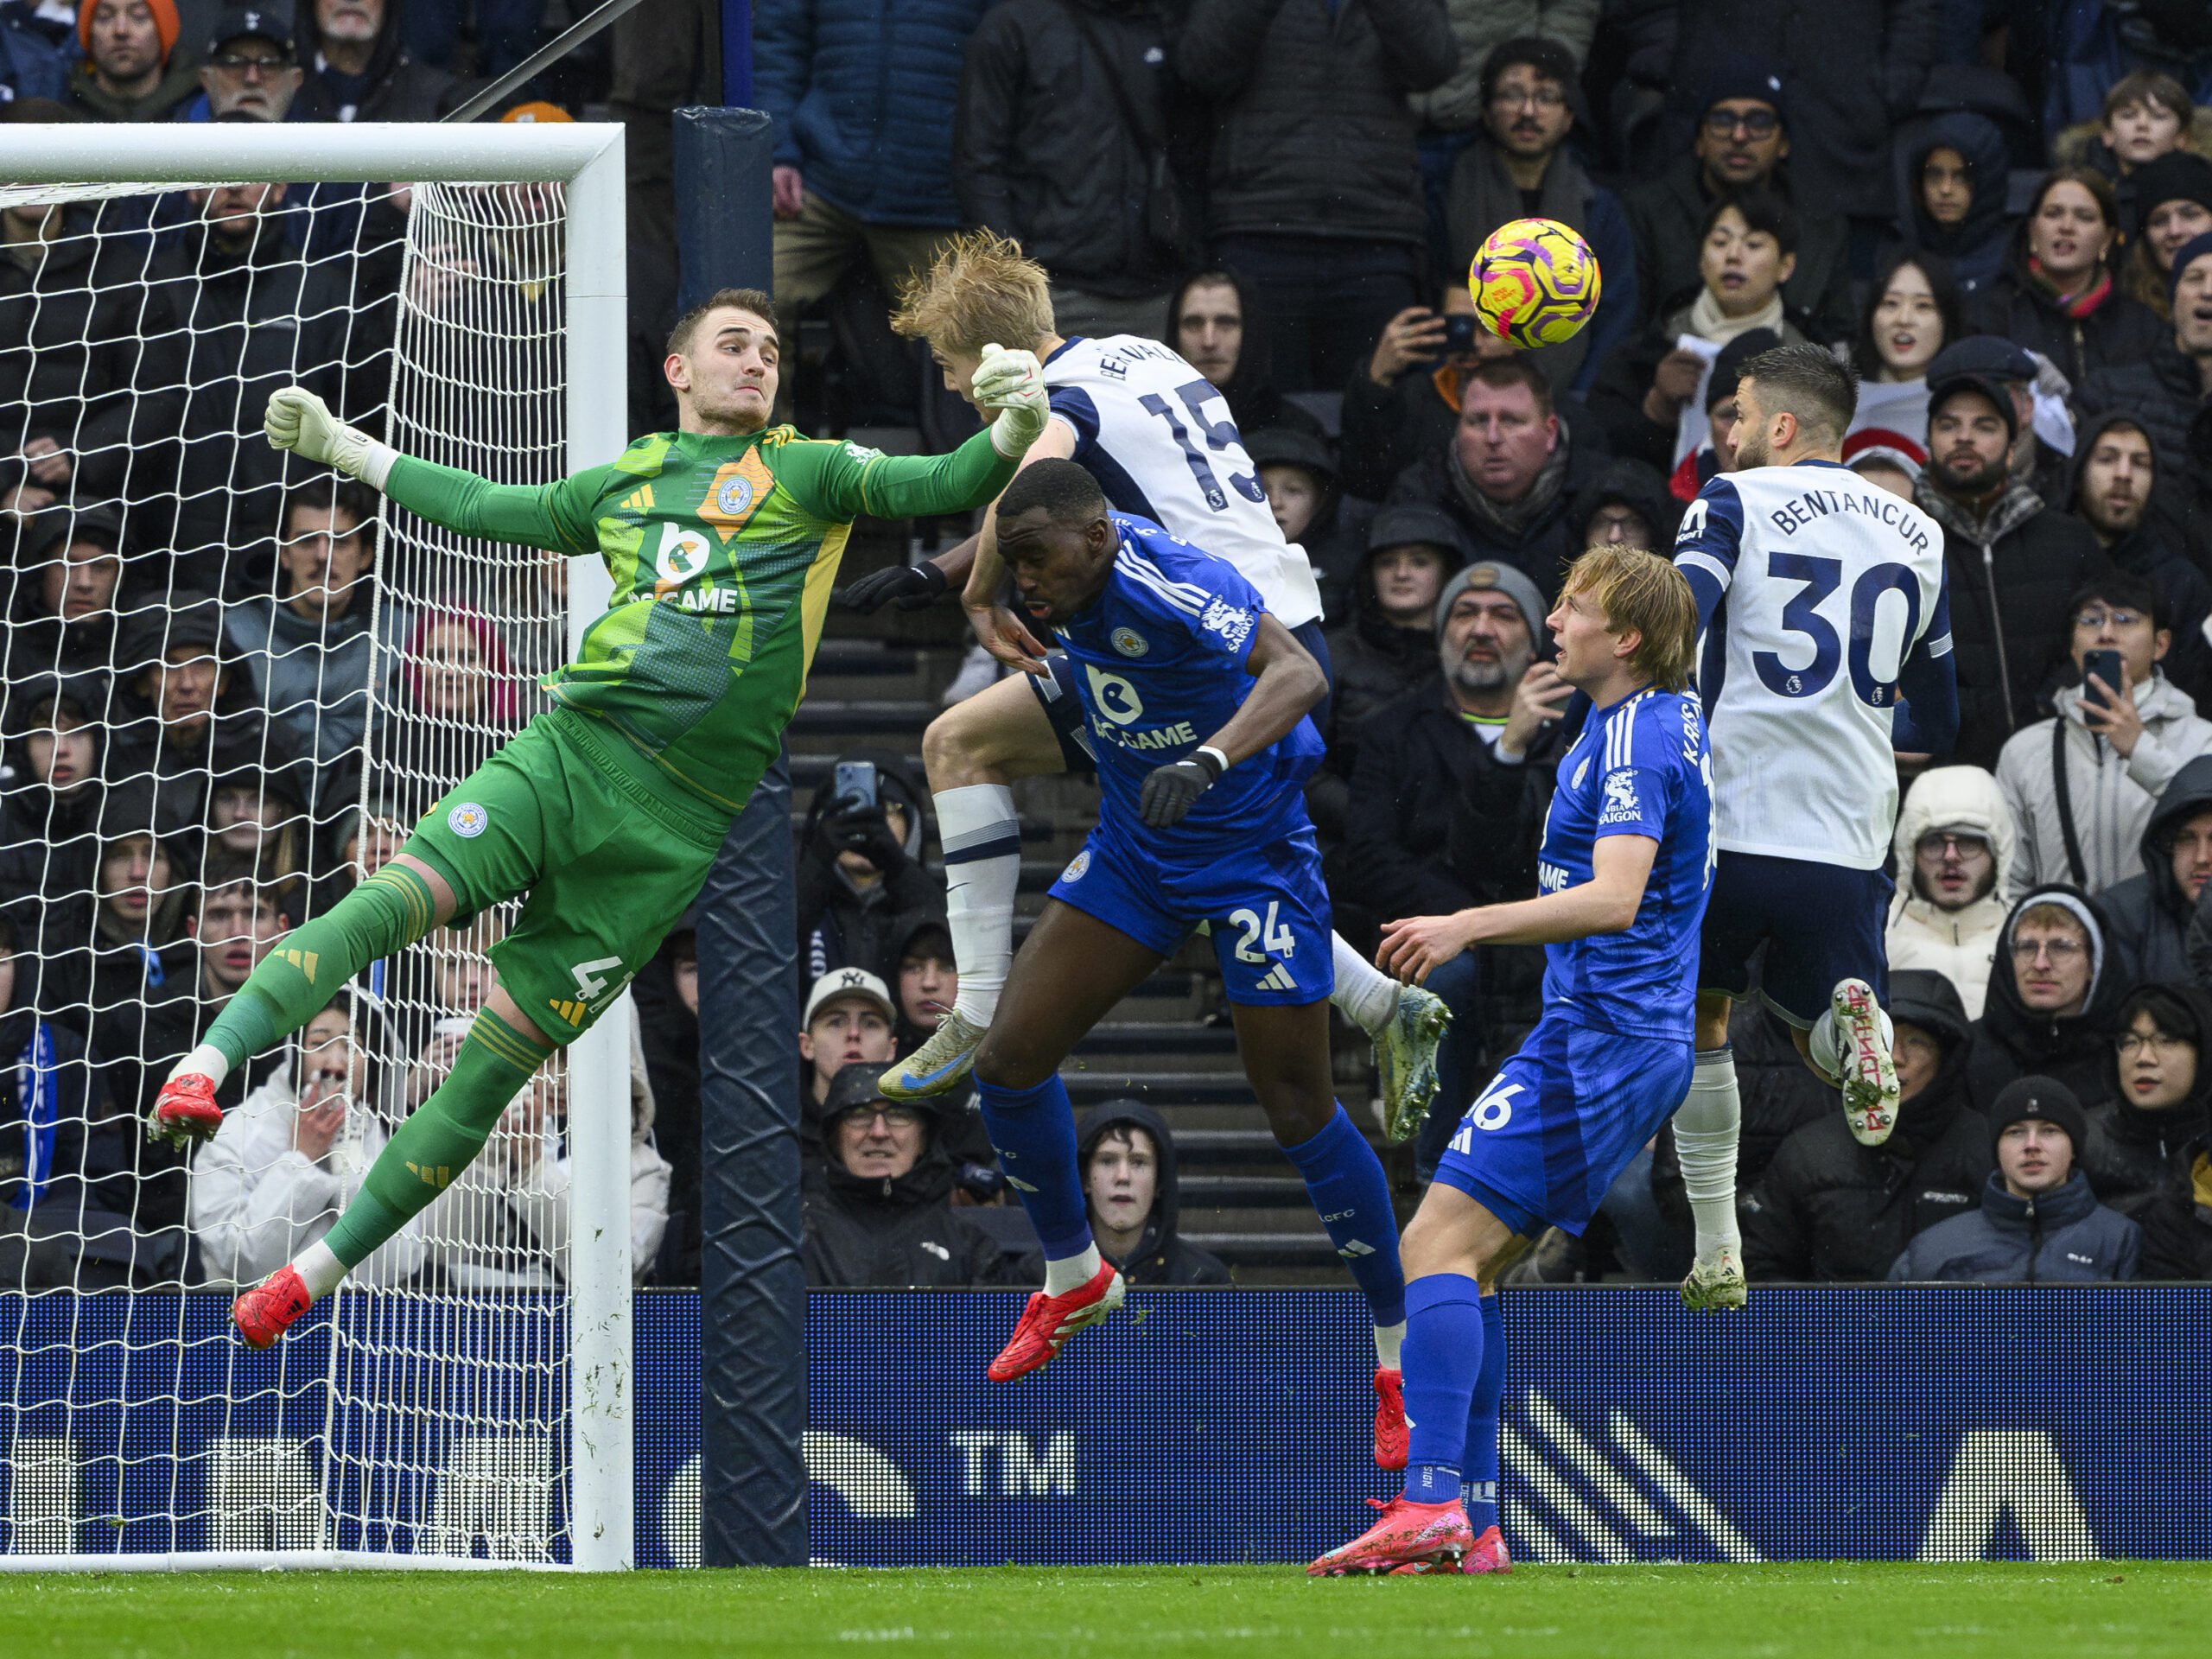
{"points": [[1832, 1422]]}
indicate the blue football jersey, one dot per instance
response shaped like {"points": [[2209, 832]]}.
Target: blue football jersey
{"points": [[1640, 768], [1159, 662]]}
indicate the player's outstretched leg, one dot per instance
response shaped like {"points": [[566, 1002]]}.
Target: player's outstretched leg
{"points": [[1706, 1126], [502, 1052], [1851, 1047], [390, 911], [1074, 968], [1406, 1025], [1286, 1053]]}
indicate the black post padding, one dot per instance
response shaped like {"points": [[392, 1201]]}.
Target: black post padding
{"points": [[725, 234], [753, 1283]]}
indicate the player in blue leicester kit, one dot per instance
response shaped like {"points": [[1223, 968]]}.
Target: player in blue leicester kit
{"points": [[1624, 870], [1196, 698]]}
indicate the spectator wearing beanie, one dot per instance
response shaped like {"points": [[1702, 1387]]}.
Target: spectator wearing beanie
{"points": [[2173, 208], [2167, 386], [2039, 1221], [1829, 1208], [2056, 294], [131, 69], [2150, 912], [1627, 504], [2053, 987], [1127, 1159], [1953, 854], [2142, 1133]]}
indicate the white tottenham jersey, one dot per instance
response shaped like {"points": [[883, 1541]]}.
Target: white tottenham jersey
{"points": [[1158, 436], [1828, 589]]}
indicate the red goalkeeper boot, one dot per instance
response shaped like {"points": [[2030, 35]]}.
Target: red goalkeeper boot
{"points": [[1389, 1418], [185, 1110], [1488, 1554], [1409, 1537], [264, 1313], [1048, 1321]]}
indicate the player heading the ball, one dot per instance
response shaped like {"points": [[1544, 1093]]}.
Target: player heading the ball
{"points": [[606, 810]]}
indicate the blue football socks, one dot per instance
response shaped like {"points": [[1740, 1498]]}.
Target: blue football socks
{"points": [[1345, 1182], [1032, 1131], [1443, 1356], [1479, 1461]]}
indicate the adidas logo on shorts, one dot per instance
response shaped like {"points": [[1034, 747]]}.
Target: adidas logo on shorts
{"points": [[1278, 979]]}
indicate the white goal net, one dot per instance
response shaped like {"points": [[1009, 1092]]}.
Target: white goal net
{"points": [[232, 683]]}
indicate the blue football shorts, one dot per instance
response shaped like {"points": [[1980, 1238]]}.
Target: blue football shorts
{"points": [[1266, 906], [1818, 924], [1561, 1119]]}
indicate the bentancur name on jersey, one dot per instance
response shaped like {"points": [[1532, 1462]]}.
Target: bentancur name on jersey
{"points": [[1814, 504]]}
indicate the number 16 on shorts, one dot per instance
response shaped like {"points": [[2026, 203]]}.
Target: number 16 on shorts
{"points": [[1492, 1111]]}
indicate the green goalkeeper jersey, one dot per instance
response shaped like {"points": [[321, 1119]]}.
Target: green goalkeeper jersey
{"points": [[722, 552]]}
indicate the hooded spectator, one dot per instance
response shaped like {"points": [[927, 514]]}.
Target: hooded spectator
{"points": [[285, 1164], [90, 361], [131, 70], [1952, 171], [50, 795], [1519, 168], [359, 70], [1404, 402], [1213, 322], [2052, 990], [1748, 247], [2160, 1106], [1744, 138], [2013, 564], [1063, 141], [884, 1215], [2056, 294], [2150, 912], [1385, 648], [69, 580], [2039, 1223], [2115, 493], [2178, 1226], [666, 992], [861, 883], [1625, 505], [2167, 387], [1510, 473], [1911, 314], [1954, 851], [2082, 817], [1325, 217], [1128, 1159], [1312, 509], [1829, 1208], [308, 647], [252, 67], [2173, 208]]}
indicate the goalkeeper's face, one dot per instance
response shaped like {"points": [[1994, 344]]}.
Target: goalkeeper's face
{"points": [[725, 383]]}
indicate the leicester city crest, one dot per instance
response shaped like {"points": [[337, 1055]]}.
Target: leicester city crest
{"points": [[735, 496], [467, 820], [1078, 867], [1129, 642]]}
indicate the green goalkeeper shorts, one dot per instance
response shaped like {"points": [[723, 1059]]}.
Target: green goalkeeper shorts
{"points": [[606, 850]]}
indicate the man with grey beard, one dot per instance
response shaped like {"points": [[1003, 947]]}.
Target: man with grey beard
{"points": [[1443, 815]]}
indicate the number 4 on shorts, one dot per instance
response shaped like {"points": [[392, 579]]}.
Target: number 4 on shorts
{"points": [[591, 977]]}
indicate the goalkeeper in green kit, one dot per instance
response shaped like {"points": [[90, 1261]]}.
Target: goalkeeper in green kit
{"points": [[722, 538]]}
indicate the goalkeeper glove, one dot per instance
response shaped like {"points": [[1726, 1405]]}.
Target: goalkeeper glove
{"points": [[1012, 383], [915, 587], [301, 422], [1170, 791]]}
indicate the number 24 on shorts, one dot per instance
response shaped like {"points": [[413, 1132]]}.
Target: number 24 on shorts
{"points": [[1276, 941]]}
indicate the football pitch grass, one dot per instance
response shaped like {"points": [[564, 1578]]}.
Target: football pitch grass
{"points": [[2005, 1611]]}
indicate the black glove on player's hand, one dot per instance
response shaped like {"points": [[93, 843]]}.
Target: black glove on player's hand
{"points": [[1170, 791], [915, 587]]}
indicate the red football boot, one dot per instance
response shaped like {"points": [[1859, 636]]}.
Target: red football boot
{"points": [[185, 1110], [1389, 1418], [1488, 1554], [262, 1313], [1409, 1537], [1048, 1321]]}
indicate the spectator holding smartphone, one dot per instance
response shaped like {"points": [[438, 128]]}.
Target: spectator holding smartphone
{"points": [[861, 887]]}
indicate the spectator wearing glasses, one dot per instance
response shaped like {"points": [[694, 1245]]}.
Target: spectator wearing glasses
{"points": [[2053, 988], [1742, 140], [252, 67], [131, 70], [2083, 784], [2143, 1134], [2151, 912], [1953, 850], [884, 1215]]}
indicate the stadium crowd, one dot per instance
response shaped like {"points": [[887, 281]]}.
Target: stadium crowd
{"points": [[1998, 211]]}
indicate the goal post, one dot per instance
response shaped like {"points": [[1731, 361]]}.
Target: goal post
{"points": [[507, 1507]]}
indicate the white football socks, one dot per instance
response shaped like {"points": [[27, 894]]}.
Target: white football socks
{"points": [[1367, 994], [982, 834], [206, 1061], [1706, 1127], [320, 1271], [1071, 1272], [1389, 1339]]}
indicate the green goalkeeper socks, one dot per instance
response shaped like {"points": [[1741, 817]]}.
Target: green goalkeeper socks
{"points": [[434, 1147], [387, 912]]}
